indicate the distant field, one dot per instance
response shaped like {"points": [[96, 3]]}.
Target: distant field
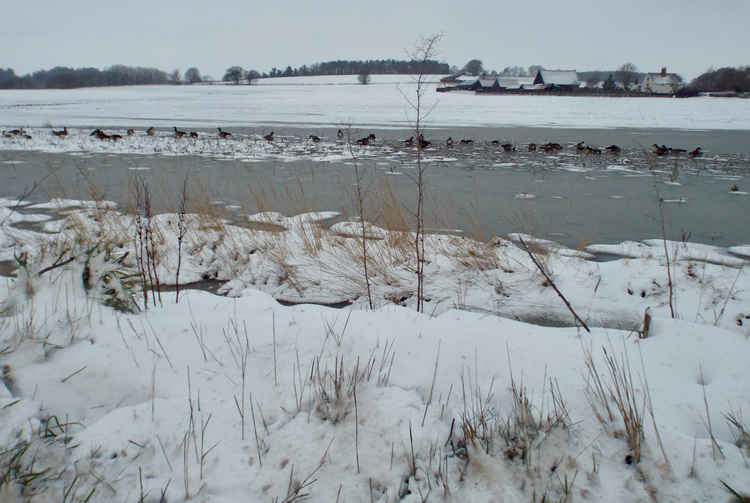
{"points": [[338, 101]]}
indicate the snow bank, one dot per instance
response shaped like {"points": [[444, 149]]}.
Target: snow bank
{"points": [[227, 399]]}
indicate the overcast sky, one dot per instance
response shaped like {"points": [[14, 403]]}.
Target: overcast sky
{"points": [[686, 36]]}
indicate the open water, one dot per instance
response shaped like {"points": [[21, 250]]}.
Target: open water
{"points": [[569, 197]]}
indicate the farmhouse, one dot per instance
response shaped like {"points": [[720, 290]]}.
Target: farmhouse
{"points": [[661, 83], [563, 80]]}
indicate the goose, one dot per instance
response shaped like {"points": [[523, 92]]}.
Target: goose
{"points": [[179, 133], [449, 142], [193, 134], [100, 134], [314, 138], [613, 149], [131, 132], [696, 153], [64, 132], [660, 150], [592, 150], [223, 134], [551, 147], [423, 143], [532, 147], [269, 136], [151, 131]]}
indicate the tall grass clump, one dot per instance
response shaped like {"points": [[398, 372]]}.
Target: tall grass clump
{"points": [[616, 386]]}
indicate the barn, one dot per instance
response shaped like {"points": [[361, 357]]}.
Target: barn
{"points": [[562, 80]]}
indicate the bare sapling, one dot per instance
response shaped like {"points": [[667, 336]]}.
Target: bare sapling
{"points": [[670, 291], [181, 231], [425, 49], [660, 205], [359, 201]]}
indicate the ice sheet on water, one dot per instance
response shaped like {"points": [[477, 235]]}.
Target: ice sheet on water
{"points": [[58, 203], [654, 248]]}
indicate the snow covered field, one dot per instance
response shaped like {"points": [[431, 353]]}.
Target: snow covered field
{"points": [[337, 101], [238, 398]]}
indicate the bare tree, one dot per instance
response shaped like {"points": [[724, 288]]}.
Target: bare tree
{"points": [[234, 74], [627, 74], [174, 77], [192, 75], [474, 67], [424, 50], [252, 76], [364, 76]]}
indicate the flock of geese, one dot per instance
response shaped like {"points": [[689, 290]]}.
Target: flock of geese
{"points": [[178, 133], [99, 133], [420, 141]]}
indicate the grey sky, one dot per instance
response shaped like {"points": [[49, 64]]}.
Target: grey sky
{"points": [[687, 36]]}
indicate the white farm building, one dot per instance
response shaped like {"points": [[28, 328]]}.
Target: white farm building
{"points": [[661, 83]]}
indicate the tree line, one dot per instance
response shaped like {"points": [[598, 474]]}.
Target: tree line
{"points": [[236, 74], [723, 79], [375, 67], [62, 77]]}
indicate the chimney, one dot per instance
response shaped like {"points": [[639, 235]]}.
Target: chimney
{"points": [[663, 71]]}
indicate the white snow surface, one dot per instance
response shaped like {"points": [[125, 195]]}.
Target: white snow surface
{"points": [[159, 395], [335, 101]]}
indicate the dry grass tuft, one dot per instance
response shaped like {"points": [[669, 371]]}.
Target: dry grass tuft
{"points": [[740, 429], [620, 389]]}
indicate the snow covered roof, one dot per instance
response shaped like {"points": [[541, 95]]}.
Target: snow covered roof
{"points": [[452, 78], [515, 82], [558, 77], [487, 82]]}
